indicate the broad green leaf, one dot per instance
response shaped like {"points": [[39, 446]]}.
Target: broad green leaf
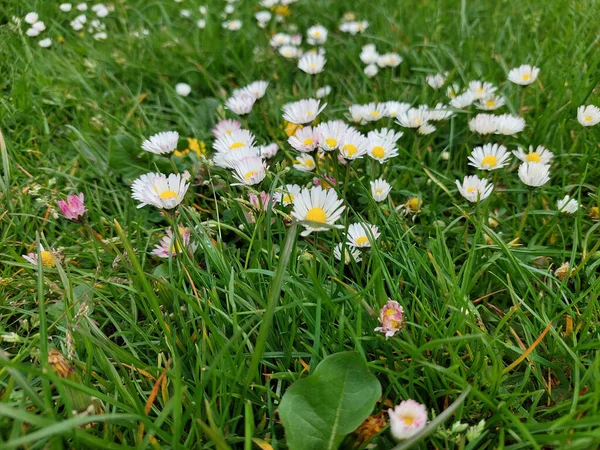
{"points": [[318, 411]]}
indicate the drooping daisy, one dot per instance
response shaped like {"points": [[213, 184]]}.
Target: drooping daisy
{"points": [[463, 100], [426, 128], [474, 189], [304, 162], [491, 102], [439, 112], [256, 89], [523, 75], [481, 89], [323, 92], [508, 125], [567, 205], [330, 134], [483, 124], [371, 70], [170, 247], [362, 234], [312, 63], [290, 51], [436, 81], [229, 159], [534, 174], [226, 126], [48, 257], [353, 145], [158, 190], [563, 271], [380, 189], [389, 60], [391, 319], [316, 35], [349, 253], [302, 111], [161, 143], [394, 109], [289, 194], [318, 206], [407, 419], [237, 139], [374, 111], [305, 140], [541, 155], [379, 148], [241, 104], [413, 118], [489, 157], [588, 115], [250, 171]]}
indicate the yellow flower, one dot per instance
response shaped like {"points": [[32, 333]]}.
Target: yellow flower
{"points": [[47, 260], [414, 205], [198, 147], [282, 10], [594, 213]]}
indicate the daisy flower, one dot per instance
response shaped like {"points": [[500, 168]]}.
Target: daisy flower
{"points": [[45, 43], [394, 109], [380, 189], [65, 7], [508, 124], [330, 134], [452, 91], [302, 111], [389, 60], [426, 128], [523, 75], [349, 254], [489, 157], [534, 174], [241, 104], [262, 17], [268, 151], [481, 89], [369, 54], [374, 111], [47, 257], [362, 235], [407, 419], [312, 63], [490, 102], [73, 208], [323, 92], [232, 25], [229, 159], [183, 89], [413, 118], [256, 89], [31, 18], [483, 124], [226, 126], [319, 206], [391, 319], [305, 140], [540, 155], [567, 205], [290, 51], [356, 114], [588, 115], [158, 190], [169, 247], [316, 35], [237, 139], [436, 81], [462, 100], [439, 112], [304, 163], [353, 145], [379, 148], [387, 133], [474, 189], [280, 39], [250, 171], [161, 143], [371, 70], [289, 194]]}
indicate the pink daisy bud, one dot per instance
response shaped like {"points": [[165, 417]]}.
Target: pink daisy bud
{"points": [[391, 318], [73, 208], [407, 419]]}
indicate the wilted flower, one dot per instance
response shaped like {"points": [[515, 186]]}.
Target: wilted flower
{"points": [[391, 318], [73, 208], [168, 245], [47, 257]]}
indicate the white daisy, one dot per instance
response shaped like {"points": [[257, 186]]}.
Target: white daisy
{"points": [[369, 54], [312, 63], [250, 171], [541, 155], [323, 92], [226, 126], [509, 125], [229, 159], [489, 157], [361, 234], [316, 35], [65, 7], [374, 111], [158, 190], [32, 32], [304, 162], [387, 133], [302, 111], [290, 51], [483, 124], [523, 75], [394, 109], [256, 89], [439, 112], [183, 89], [289, 194], [413, 118], [40, 26], [436, 81], [407, 419], [330, 134], [240, 105], [474, 188], [567, 205], [371, 70], [534, 174], [389, 60], [491, 102], [305, 139], [462, 100], [268, 151], [350, 253], [280, 39], [353, 145], [31, 18], [379, 148], [380, 189], [237, 139], [426, 128], [588, 115], [232, 25], [161, 143], [262, 17], [481, 89], [453, 90], [318, 206], [356, 114]]}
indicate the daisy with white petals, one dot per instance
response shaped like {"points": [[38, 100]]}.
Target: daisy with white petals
{"points": [[483, 124], [509, 125], [481, 89], [374, 111], [316, 35], [474, 189], [229, 159], [161, 143], [534, 174], [362, 235], [413, 118], [380, 148], [304, 162], [158, 190], [489, 157], [567, 205], [393, 109], [389, 60], [330, 134], [237, 139], [250, 171], [353, 145], [317, 206], [305, 140], [302, 111], [524, 74], [380, 189], [312, 63], [407, 419], [349, 253], [226, 126], [588, 115], [289, 194], [241, 104], [491, 102], [540, 155], [436, 81], [323, 92]]}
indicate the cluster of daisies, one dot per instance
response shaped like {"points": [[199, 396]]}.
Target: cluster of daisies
{"points": [[374, 60], [36, 28], [93, 25]]}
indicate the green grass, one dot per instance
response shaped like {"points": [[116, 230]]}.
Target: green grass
{"points": [[231, 327]]}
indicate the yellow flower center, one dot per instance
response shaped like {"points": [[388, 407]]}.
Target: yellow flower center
{"points": [[587, 119], [378, 192], [526, 76], [228, 131], [490, 103], [362, 240], [489, 160], [418, 121], [312, 66], [168, 194], [408, 420], [533, 157], [470, 189], [331, 142], [308, 113], [375, 113], [316, 215], [287, 198], [479, 90], [236, 145], [317, 33], [47, 260], [250, 174], [307, 142], [414, 204], [351, 149], [378, 151]]}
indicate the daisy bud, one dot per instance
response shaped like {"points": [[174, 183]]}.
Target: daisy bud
{"points": [[73, 208]]}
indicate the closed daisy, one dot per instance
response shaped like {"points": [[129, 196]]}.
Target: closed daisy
{"points": [[183, 89], [508, 125], [317, 206], [235, 140], [250, 171], [391, 319], [380, 189], [312, 63], [483, 124], [241, 104], [534, 174], [523, 75], [304, 163], [362, 235], [161, 143], [567, 205], [305, 140], [159, 190], [489, 157], [47, 257], [474, 189], [436, 81], [353, 145], [540, 155], [302, 111], [407, 419], [588, 115], [330, 134], [323, 92], [346, 254]]}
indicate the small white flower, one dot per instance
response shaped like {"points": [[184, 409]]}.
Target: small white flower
{"points": [[304, 162], [317, 206], [229, 159], [229, 9], [316, 35], [40, 26], [312, 63], [523, 75], [31, 18], [389, 60], [183, 89], [250, 171], [82, 7], [32, 32], [353, 145], [541, 155], [534, 174], [232, 25], [224, 127], [323, 92], [380, 189], [305, 139], [361, 235], [508, 125], [185, 13], [356, 114], [203, 10], [491, 102], [201, 23], [588, 115], [81, 18], [407, 419], [483, 124], [161, 143], [426, 128], [262, 17], [290, 51], [65, 7], [268, 151], [453, 90], [280, 39], [330, 134], [371, 70], [288, 195], [413, 118], [159, 190], [436, 81], [256, 89], [489, 157], [241, 104], [235, 139], [349, 253], [567, 205], [302, 111], [45, 43], [474, 189], [439, 112], [481, 89], [369, 54], [374, 111], [101, 36], [393, 109], [462, 100]]}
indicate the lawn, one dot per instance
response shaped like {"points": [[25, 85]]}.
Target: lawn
{"points": [[270, 294]]}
